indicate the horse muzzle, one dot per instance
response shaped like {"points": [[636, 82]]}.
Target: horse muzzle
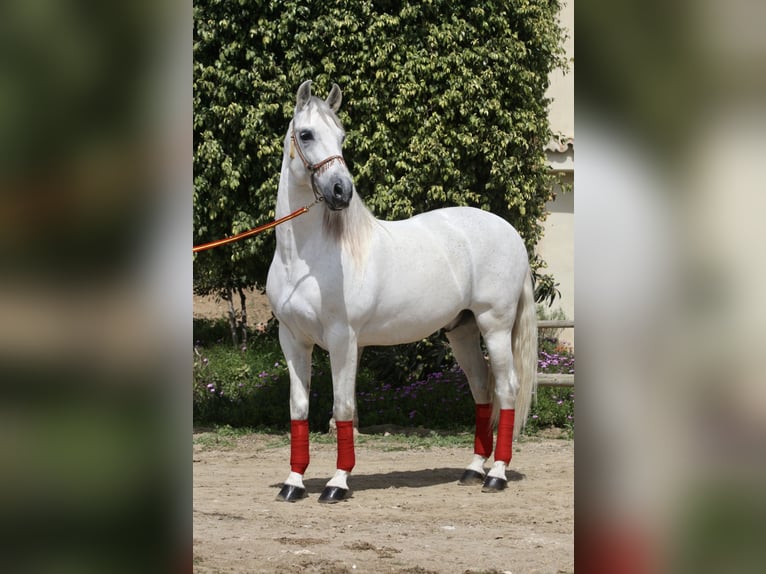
{"points": [[338, 194]]}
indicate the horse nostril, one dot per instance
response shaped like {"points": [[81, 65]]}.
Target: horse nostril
{"points": [[337, 191]]}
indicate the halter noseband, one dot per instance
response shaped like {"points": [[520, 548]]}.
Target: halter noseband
{"points": [[314, 168]]}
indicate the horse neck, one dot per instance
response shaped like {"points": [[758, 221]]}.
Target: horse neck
{"points": [[349, 230], [291, 196]]}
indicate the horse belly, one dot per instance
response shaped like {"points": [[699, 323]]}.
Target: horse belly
{"points": [[406, 326]]}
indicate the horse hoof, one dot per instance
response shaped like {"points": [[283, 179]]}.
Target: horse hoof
{"points": [[290, 493], [494, 484], [471, 478], [333, 494]]}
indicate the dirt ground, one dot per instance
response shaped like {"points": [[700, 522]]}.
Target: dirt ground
{"points": [[407, 513], [257, 306]]}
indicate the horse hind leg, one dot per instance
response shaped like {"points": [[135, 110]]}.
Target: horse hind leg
{"points": [[498, 341], [465, 339]]}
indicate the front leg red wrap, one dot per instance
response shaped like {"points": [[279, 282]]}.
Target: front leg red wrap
{"points": [[299, 446], [505, 435], [482, 441], [346, 456]]}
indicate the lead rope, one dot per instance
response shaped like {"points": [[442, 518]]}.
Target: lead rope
{"points": [[256, 230], [313, 169]]}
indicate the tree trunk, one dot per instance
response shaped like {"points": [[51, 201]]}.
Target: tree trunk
{"points": [[229, 296], [243, 315]]}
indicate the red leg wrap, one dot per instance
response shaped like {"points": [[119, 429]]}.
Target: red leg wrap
{"points": [[346, 456], [482, 441], [505, 435], [299, 446]]}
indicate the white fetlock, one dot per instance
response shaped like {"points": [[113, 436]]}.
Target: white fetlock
{"points": [[295, 479], [477, 464], [340, 480], [498, 470]]}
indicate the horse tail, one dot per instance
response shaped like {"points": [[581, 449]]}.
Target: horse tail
{"points": [[524, 337]]}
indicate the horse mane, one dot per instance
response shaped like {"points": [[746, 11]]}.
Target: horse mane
{"points": [[351, 228]]}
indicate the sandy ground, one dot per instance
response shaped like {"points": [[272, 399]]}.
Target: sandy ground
{"points": [[407, 513], [257, 306]]}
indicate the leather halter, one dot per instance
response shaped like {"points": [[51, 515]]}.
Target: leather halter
{"points": [[314, 168]]}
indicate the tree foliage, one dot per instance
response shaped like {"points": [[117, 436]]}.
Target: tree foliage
{"points": [[444, 104]]}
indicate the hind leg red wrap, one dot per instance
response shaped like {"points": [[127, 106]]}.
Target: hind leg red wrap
{"points": [[346, 456], [505, 435], [299, 446], [482, 442]]}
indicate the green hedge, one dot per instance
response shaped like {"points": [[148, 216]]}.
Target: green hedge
{"points": [[444, 104]]}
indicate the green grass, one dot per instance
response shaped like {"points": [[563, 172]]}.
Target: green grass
{"points": [[412, 441], [223, 437]]}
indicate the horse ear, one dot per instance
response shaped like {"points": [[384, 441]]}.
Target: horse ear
{"points": [[335, 98], [304, 95]]}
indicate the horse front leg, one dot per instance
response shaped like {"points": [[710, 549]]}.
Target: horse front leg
{"points": [[298, 356], [344, 357], [333, 428]]}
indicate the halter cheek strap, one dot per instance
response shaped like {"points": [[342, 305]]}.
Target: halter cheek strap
{"points": [[314, 169]]}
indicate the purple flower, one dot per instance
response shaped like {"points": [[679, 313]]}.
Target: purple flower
{"points": [[412, 414], [534, 416], [210, 385]]}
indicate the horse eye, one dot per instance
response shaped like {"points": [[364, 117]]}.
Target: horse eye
{"points": [[307, 135]]}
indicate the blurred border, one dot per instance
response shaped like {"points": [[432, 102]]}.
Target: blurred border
{"points": [[95, 298], [95, 288], [672, 411]]}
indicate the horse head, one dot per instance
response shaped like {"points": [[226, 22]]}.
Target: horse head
{"points": [[316, 141]]}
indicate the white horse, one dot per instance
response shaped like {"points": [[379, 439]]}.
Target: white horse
{"points": [[343, 280]]}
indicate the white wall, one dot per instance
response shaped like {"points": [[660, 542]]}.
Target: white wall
{"points": [[557, 249], [557, 245]]}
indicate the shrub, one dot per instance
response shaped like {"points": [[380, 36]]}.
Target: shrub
{"points": [[554, 406], [445, 104]]}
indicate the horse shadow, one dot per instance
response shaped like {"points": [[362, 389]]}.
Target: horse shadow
{"points": [[400, 479]]}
